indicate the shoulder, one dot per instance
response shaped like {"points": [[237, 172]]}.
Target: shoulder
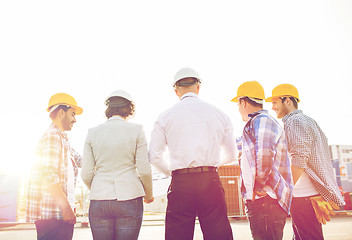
{"points": [[51, 134], [136, 126], [112, 124], [266, 121], [213, 109], [300, 119], [264, 117]]}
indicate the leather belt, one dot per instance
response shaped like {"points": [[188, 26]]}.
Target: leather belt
{"points": [[195, 170]]}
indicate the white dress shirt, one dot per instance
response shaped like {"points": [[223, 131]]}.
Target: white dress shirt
{"points": [[194, 132]]}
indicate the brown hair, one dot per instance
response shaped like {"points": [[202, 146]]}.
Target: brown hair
{"points": [[248, 100], [119, 106], [54, 113], [294, 101]]}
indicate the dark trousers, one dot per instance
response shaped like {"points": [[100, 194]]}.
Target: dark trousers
{"points": [[197, 194], [52, 229], [304, 222], [113, 220], [266, 218]]}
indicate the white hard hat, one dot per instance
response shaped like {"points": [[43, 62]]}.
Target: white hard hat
{"points": [[185, 73], [119, 93]]}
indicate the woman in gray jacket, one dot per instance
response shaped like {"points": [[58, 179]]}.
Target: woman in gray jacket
{"points": [[117, 172]]}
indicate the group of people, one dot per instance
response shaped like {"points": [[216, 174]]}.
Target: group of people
{"points": [[283, 170]]}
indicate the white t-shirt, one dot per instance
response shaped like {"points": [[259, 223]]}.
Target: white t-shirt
{"points": [[70, 184], [304, 187]]}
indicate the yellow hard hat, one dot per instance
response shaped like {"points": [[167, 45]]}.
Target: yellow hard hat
{"points": [[284, 90], [64, 99], [251, 89]]}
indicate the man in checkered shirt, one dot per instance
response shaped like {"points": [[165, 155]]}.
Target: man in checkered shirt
{"points": [[51, 195], [265, 166], [312, 171]]}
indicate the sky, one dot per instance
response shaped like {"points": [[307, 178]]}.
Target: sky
{"points": [[90, 48]]}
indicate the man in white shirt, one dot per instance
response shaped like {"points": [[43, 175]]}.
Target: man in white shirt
{"points": [[194, 132]]}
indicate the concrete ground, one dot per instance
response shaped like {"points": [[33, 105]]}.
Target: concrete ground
{"points": [[339, 228]]}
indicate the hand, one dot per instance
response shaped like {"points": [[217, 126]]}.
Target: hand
{"points": [[68, 215], [323, 209], [149, 200]]}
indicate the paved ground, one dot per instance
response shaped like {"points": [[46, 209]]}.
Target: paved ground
{"points": [[340, 228]]}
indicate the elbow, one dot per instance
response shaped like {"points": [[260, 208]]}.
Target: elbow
{"points": [[87, 178]]}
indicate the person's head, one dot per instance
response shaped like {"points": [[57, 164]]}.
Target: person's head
{"points": [[186, 80], [284, 99], [249, 97], [62, 110], [119, 103]]}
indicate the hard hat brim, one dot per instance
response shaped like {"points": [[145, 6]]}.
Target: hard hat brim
{"points": [[78, 110], [235, 99], [270, 99]]}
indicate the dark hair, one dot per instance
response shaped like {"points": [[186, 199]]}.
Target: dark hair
{"points": [[294, 100], [119, 106], [53, 114], [187, 82], [251, 102]]}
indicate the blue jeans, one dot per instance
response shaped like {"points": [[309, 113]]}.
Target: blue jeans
{"points": [[112, 219], [304, 222], [52, 229], [266, 218]]}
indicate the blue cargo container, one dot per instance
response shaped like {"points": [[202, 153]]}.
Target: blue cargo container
{"points": [[8, 197]]}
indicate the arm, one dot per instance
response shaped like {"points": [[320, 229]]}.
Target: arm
{"points": [[51, 157], [88, 164], [143, 166], [299, 140], [157, 148], [62, 202], [229, 144], [265, 132]]}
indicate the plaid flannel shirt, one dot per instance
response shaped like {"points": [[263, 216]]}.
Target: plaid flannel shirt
{"points": [[264, 147], [51, 167], [309, 149]]}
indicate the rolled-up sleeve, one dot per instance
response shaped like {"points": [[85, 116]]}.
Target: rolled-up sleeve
{"points": [[299, 139]]}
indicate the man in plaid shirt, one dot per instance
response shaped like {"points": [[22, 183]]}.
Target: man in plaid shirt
{"points": [[265, 167], [315, 192], [50, 200]]}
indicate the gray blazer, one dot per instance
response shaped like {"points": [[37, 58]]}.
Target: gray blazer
{"points": [[115, 161]]}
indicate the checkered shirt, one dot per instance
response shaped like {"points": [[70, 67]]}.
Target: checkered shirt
{"points": [[309, 149], [51, 167], [264, 147]]}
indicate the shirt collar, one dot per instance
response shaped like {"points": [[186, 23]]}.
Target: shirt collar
{"points": [[189, 94], [116, 118], [284, 119], [251, 115], [62, 133]]}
